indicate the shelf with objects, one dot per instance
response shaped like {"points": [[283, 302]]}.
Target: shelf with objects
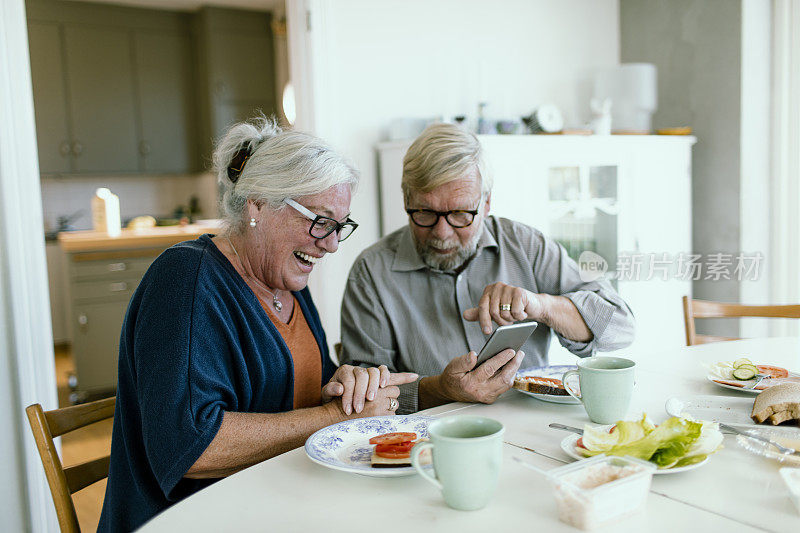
{"points": [[626, 198]]}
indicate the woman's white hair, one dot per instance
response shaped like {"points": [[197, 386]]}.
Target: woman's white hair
{"points": [[282, 164], [441, 154]]}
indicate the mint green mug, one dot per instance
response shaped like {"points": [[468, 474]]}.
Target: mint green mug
{"points": [[606, 386], [467, 453]]}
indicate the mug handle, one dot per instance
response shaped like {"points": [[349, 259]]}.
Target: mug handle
{"points": [[568, 374], [415, 451]]}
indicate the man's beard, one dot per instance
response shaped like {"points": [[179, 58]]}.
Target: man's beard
{"points": [[449, 262]]}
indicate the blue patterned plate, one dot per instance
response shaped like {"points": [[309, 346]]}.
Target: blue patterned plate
{"points": [[345, 446], [552, 372]]}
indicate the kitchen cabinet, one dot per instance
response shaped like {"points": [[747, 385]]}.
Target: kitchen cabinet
{"points": [[50, 97], [101, 88], [625, 198], [165, 97], [121, 90], [236, 68], [102, 275], [57, 283], [113, 89], [101, 284]]}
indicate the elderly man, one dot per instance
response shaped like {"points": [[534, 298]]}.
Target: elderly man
{"points": [[426, 294]]}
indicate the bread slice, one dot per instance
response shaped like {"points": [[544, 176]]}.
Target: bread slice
{"points": [[777, 404], [540, 385], [382, 462]]}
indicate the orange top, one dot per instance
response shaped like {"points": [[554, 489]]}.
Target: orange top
{"points": [[305, 355]]}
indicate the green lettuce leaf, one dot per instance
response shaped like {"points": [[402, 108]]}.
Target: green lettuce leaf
{"points": [[598, 439], [675, 442]]}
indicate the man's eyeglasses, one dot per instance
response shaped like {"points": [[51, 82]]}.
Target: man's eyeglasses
{"points": [[428, 218], [322, 226]]}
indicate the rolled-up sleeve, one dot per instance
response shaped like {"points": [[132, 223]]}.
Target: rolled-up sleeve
{"points": [[606, 314]]}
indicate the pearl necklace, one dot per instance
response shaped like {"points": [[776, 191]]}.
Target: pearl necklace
{"points": [[275, 302]]}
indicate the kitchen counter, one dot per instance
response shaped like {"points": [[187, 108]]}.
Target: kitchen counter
{"points": [[156, 237]]}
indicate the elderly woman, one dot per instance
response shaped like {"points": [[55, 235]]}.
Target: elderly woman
{"points": [[223, 361]]}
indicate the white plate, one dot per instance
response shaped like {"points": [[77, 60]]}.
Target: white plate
{"points": [[731, 410], [789, 437], [552, 398], [553, 371], [345, 446], [569, 442], [711, 377]]}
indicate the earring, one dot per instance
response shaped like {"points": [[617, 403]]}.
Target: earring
{"points": [[253, 222]]}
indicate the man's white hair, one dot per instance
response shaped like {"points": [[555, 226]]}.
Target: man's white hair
{"points": [[441, 154]]}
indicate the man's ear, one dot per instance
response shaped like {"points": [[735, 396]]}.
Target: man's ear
{"points": [[487, 206]]}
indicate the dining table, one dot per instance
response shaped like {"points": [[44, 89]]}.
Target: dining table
{"points": [[735, 490]]}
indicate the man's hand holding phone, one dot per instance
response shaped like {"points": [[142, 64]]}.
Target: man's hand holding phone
{"points": [[464, 380]]}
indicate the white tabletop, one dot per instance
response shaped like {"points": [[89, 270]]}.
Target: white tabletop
{"points": [[734, 491]]}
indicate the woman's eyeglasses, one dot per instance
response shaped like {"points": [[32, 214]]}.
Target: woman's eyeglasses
{"points": [[322, 226]]}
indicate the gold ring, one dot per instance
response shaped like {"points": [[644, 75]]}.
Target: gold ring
{"points": [[505, 307], [393, 404]]}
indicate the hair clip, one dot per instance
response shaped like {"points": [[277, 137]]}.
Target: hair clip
{"points": [[237, 163]]}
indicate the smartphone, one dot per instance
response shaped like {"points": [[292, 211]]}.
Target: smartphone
{"points": [[505, 337]]}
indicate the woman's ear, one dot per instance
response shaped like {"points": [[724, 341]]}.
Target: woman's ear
{"points": [[254, 204]]}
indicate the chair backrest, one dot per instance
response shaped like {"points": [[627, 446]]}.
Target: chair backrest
{"points": [[704, 309], [46, 425]]}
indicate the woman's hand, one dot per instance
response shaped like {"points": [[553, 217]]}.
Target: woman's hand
{"points": [[356, 385]]}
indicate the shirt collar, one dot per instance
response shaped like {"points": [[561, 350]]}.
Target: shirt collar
{"points": [[406, 258]]}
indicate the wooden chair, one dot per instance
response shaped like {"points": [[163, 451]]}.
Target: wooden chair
{"points": [[703, 309], [46, 425]]}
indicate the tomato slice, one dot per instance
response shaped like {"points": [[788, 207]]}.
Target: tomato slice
{"points": [[773, 371], [393, 438], [579, 444], [403, 447]]}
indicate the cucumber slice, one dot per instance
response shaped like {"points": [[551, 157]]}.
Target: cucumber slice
{"points": [[744, 373], [742, 361], [754, 368]]}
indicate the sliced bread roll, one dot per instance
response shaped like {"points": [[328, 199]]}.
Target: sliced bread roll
{"points": [[777, 404]]}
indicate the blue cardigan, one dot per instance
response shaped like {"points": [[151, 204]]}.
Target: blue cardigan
{"points": [[195, 343]]}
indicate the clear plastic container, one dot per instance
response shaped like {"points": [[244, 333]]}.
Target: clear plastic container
{"points": [[791, 476], [601, 490]]}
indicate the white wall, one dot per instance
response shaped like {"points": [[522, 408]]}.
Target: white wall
{"points": [[697, 47], [377, 61]]}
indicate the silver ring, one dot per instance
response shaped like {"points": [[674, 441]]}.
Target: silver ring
{"points": [[505, 307], [393, 404]]}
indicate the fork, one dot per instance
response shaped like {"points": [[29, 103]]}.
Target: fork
{"points": [[759, 378]]}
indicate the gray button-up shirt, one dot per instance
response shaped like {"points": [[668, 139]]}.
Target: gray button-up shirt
{"points": [[400, 313]]}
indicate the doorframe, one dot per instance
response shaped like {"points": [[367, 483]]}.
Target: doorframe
{"points": [[26, 346], [785, 159]]}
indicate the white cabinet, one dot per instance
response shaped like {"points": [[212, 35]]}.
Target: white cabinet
{"points": [[626, 198]]}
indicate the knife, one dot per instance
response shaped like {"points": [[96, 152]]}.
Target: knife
{"points": [[567, 428]]}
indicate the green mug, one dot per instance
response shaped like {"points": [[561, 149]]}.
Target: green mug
{"points": [[606, 386], [467, 453]]}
